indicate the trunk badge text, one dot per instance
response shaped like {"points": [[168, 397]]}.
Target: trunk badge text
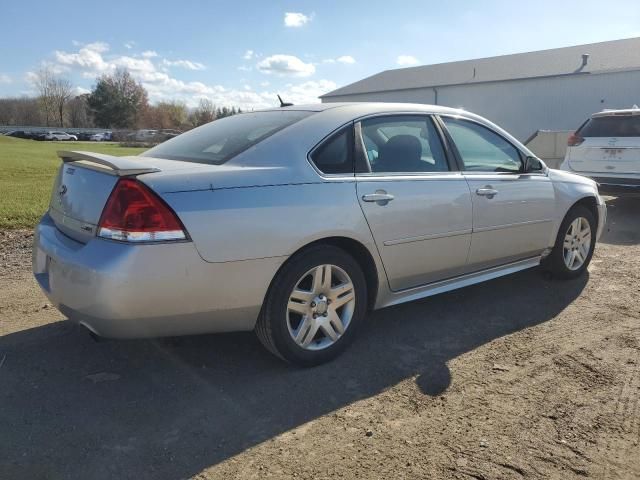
{"points": [[62, 190]]}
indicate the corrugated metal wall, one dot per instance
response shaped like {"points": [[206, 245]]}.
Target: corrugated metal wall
{"points": [[525, 106]]}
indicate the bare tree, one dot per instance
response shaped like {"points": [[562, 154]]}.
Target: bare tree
{"points": [[20, 111], [54, 93], [61, 91], [43, 80], [78, 113], [205, 112]]}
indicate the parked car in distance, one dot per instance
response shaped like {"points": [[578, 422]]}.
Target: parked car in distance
{"points": [[21, 134], [55, 136], [168, 133], [145, 135], [294, 222], [100, 137], [606, 148]]}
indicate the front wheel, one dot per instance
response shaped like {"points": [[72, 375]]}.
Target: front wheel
{"points": [[314, 307], [574, 245]]}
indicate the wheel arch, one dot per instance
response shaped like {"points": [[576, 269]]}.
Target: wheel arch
{"points": [[358, 251], [590, 203]]}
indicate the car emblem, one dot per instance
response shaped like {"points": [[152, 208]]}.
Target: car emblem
{"points": [[62, 190]]}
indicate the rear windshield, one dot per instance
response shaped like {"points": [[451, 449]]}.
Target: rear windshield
{"points": [[618, 126], [220, 140]]}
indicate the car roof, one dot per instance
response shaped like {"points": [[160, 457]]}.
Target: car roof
{"points": [[366, 108], [624, 112]]}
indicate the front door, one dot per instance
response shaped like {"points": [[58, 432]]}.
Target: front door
{"points": [[512, 211], [419, 211]]}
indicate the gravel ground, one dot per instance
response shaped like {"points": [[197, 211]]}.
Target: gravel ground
{"points": [[520, 377]]}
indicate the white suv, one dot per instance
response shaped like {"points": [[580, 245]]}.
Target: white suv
{"points": [[606, 148], [59, 136]]}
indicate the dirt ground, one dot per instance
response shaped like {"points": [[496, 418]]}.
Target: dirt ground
{"points": [[521, 377]]}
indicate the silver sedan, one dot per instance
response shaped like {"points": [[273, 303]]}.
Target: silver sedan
{"points": [[295, 222]]}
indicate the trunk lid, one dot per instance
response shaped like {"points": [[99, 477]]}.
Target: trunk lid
{"points": [[83, 184], [606, 155]]}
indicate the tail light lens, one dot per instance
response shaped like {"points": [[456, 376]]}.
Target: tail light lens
{"points": [[574, 140], [134, 213]]}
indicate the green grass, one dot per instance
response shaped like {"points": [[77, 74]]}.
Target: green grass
{"points": [[27, 170]]}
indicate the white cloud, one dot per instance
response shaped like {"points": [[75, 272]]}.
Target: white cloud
{"points": [[346, 59], [248, 55], [4, 78], [80, 91], [88, 57], [130, 44], [307, 92], [292, 19], [188, 64], [90, 61], [286, 65], [149, 54], [407, 60], [244, 68]]}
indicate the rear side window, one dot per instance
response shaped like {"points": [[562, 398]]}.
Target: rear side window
{"points": [[335, 155], [220, 140], [403, 144], [611, 126]]}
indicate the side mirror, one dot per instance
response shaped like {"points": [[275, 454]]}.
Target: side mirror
{"points": [[533, 164]]}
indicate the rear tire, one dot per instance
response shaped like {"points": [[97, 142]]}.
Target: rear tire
{"points": [[574, 245], [314, 307]]}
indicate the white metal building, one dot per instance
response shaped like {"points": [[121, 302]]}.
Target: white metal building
{"points": [[546, 90]]}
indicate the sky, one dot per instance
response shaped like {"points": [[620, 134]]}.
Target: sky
{"points": [[244, 52]]}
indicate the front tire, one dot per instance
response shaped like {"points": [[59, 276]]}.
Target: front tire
{"points": [[314, 307], [574, 245]]}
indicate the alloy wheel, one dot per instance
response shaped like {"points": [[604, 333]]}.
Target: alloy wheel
{"points": [[577, 243], [320, 307]]}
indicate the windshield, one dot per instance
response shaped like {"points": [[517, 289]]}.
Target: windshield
{"points": [[612, 126], [220, 140]]}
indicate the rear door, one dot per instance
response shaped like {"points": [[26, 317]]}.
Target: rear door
{"points": [[418, 209], [611, 144], [512, 211]]}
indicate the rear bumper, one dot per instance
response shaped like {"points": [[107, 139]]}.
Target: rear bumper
{"points": [[133, 291], [618, 185]]}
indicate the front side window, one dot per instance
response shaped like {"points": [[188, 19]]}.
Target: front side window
{"points": [[335, 156], [481, 149], [220, 140], [403, 144]]}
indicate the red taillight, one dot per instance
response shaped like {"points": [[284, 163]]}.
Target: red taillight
{"points": [[574, 140], [134, 213]]}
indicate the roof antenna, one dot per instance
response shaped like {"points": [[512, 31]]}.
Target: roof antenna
{"points": [[284, 104]]}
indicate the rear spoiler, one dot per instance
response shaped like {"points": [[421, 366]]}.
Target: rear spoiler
{"points": [[120, 166]]}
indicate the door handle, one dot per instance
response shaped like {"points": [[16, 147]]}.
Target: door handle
{"points": [[487, 191], [380, 197]]}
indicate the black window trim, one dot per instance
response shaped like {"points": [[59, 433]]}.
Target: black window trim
{"points": [[458, 157], [350, 128], [363, 168]]}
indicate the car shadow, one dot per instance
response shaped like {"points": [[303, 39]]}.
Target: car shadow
{"points": [[623, 221], [73, 408]]}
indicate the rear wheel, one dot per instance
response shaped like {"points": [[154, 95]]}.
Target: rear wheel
{"points": [[314, 307], [574, 245]]}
